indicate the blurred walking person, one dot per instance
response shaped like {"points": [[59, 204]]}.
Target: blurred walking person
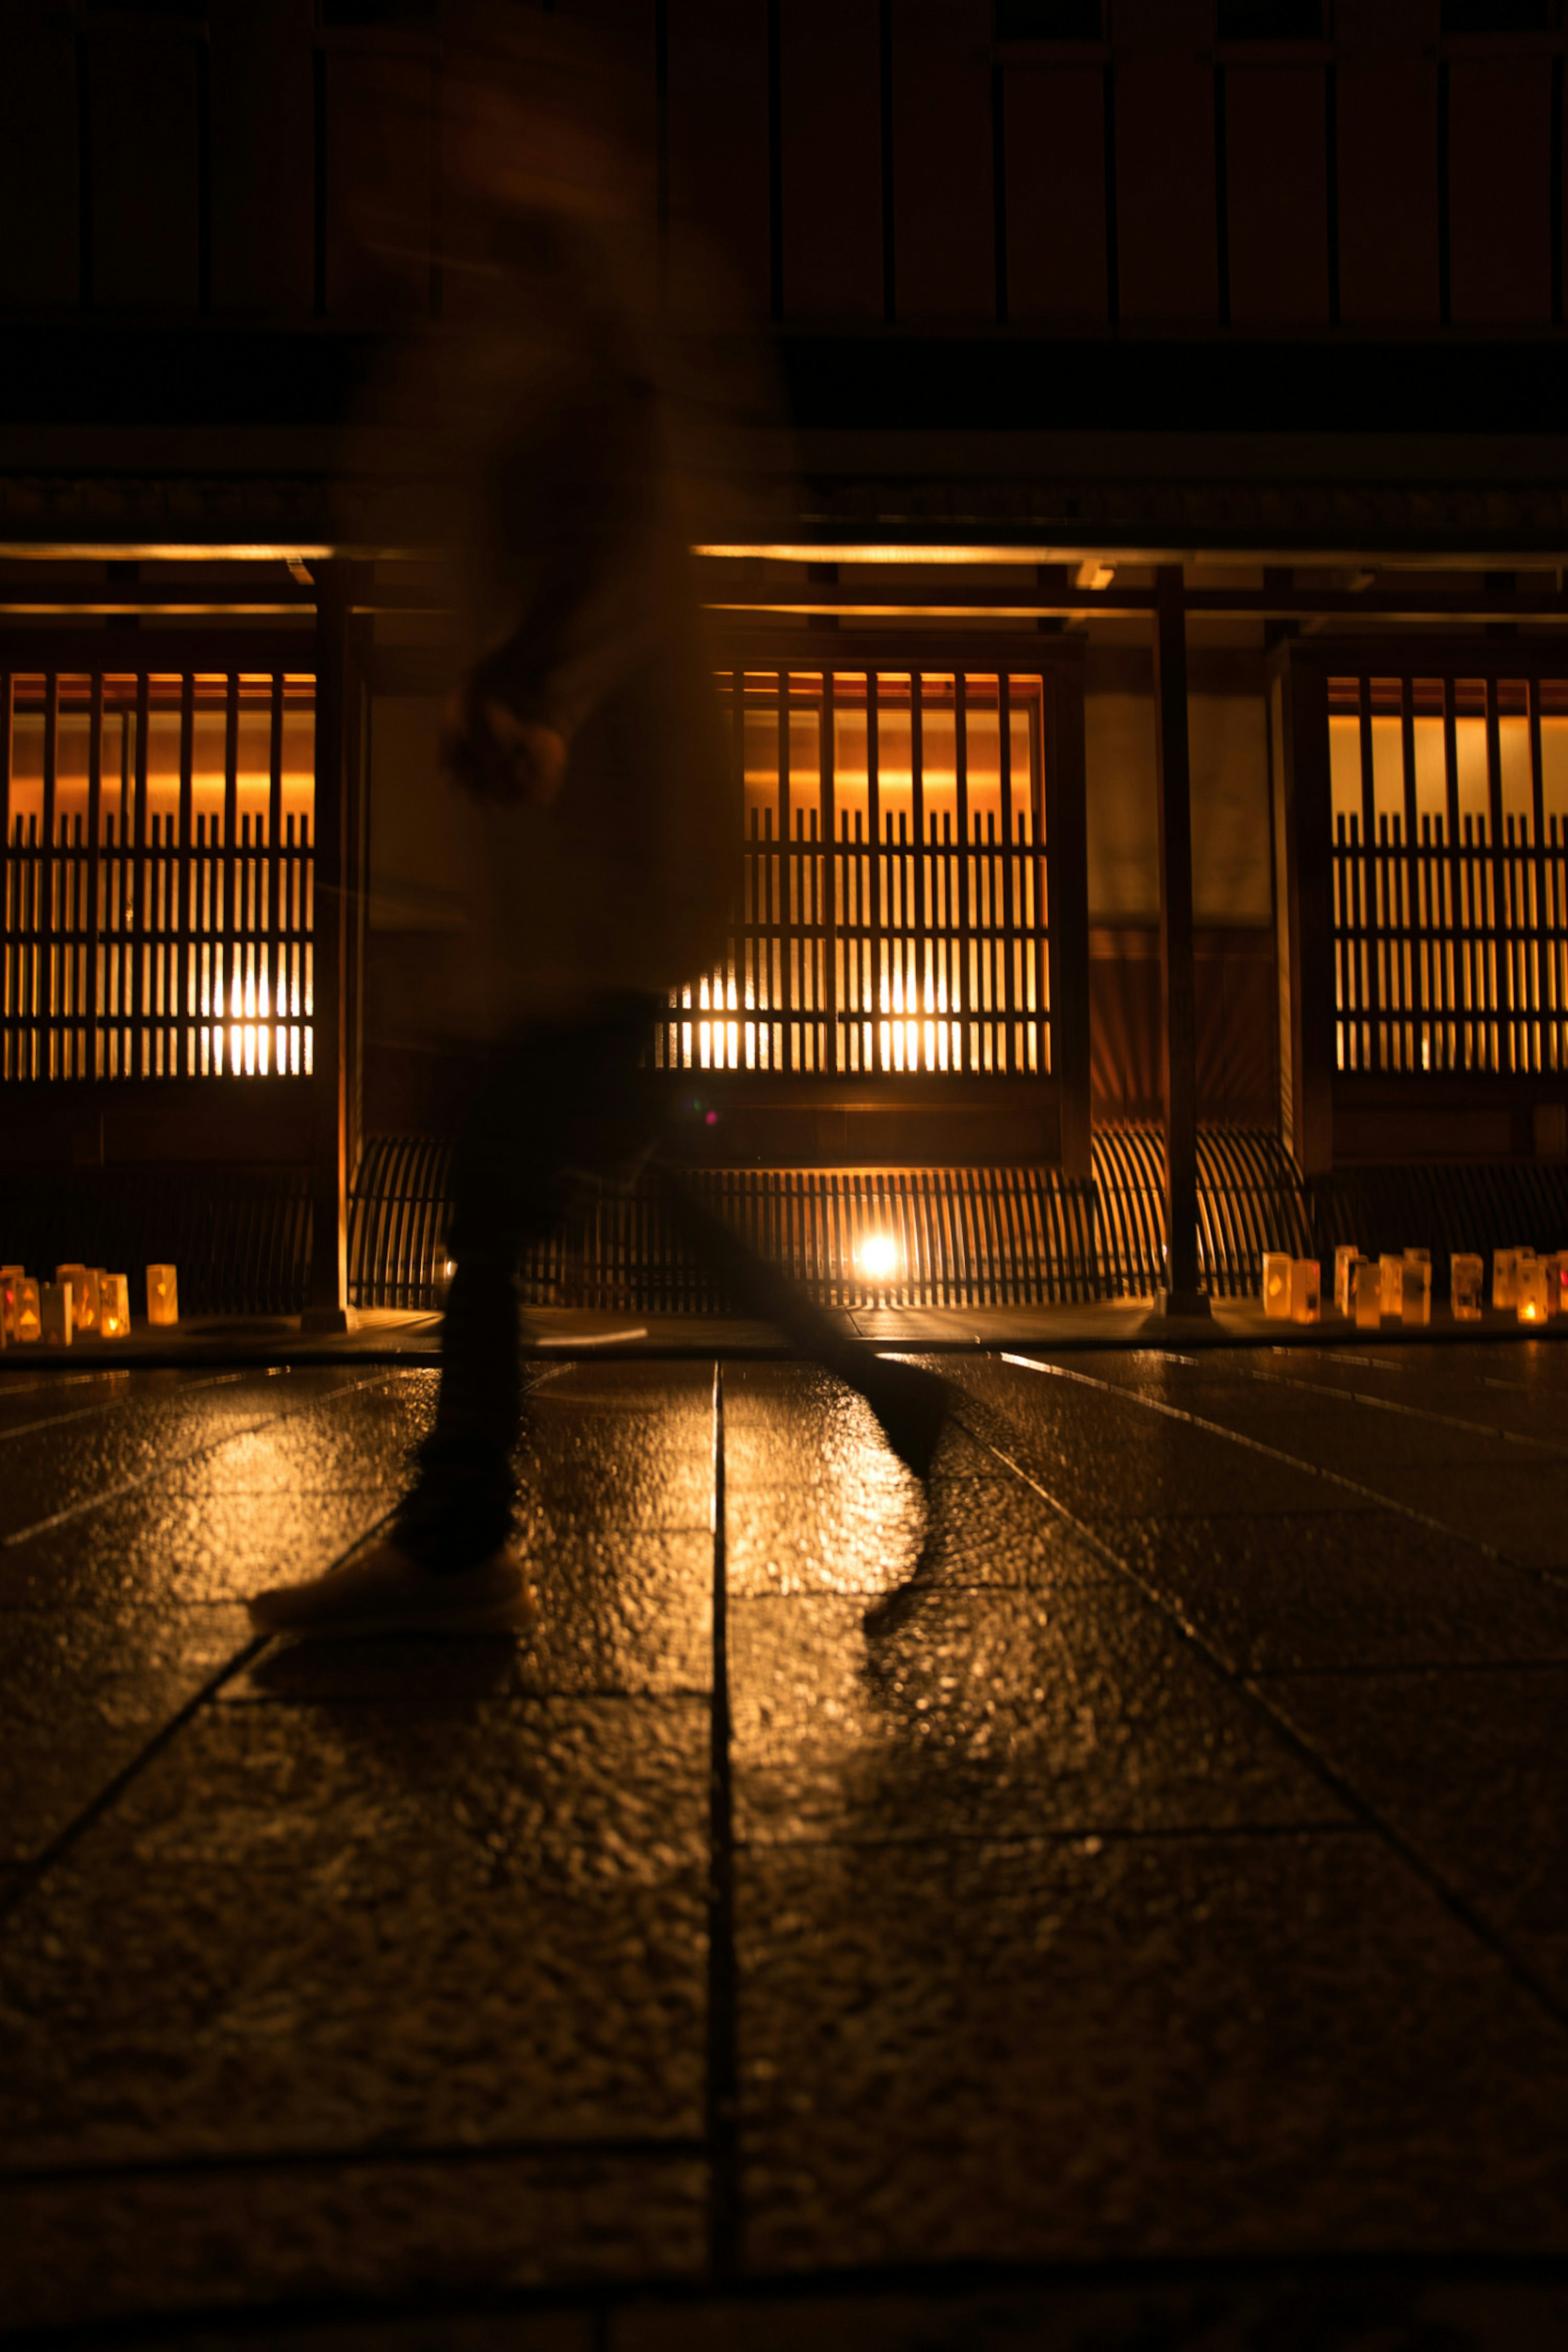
{"points": [[600, 841]]}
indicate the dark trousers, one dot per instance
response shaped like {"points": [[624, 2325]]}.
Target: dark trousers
{"points": [[560, 1101]]}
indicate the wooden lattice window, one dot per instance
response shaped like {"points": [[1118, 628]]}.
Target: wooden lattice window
{"points": [[1449, 799], [158, 872], [894, 910]]}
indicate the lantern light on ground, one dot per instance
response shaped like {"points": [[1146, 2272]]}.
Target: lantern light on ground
{"points": [[1306, 1290], [54, 1314], [1505, 1266], [114, 1307], [1415, 1290], [1530, 1291], [1276, 1268], [1392, 1275], [162, 1295], [1467, 1280], [27, 1324], [83, 1280], [879, 1257], [1345, 1257], [1366, 1293]]}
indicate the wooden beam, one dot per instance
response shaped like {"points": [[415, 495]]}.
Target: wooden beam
{"points": [[1182, 1295]]}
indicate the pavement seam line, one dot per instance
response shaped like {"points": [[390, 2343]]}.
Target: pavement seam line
{"points": [[31, 1874], [169, 1462], [1430, 1876], [112, 1404], [644, 2147], [1294, 1461], [720, 2117], [1363, 1396]]}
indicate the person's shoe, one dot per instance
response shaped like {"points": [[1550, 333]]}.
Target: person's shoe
{"points": [[911, 1405], [385, 1591]]}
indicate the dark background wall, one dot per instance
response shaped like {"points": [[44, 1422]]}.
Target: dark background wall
{"points": [[1152, 165]]}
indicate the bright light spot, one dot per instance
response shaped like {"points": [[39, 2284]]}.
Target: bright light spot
{"points": [[878, 1256]]}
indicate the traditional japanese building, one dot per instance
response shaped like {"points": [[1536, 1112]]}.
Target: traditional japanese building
{"points": [[1145, 652]]}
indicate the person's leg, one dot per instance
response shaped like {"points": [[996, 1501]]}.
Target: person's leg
{"points": [[911, 1404]]}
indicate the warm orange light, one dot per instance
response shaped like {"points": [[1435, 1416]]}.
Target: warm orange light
{"points": [[879, 1255]]}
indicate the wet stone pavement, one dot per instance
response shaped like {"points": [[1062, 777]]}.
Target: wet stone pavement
{"points": [[1119, 1903]]}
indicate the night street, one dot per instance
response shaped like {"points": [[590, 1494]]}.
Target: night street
{"points": [[1158, 1899]]}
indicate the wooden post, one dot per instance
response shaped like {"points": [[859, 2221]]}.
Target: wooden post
{"points": [[1066, 856], [1181, 1295], [1307, 817], [326, 1305]]}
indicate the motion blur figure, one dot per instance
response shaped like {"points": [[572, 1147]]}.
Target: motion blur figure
{"points": [[599, 841]]}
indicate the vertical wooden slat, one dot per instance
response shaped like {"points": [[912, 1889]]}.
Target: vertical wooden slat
{"points": [[186, 1061], [921, 853], [1544, 1004], [875, 861], [1371, 925], [827, 912], [1501, 927], [960, 871], [11, 872], [46, 964], [1007, 1008], [229, 949], [1412, 930], [87, 1060]]}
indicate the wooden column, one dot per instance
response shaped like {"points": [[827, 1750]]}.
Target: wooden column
{"points": [[1066, 856], [326, 1305], [1182, 1295], [1307, 814]]}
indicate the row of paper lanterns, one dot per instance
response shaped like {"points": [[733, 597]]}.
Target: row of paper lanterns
{"points": [[1398, 1286], [82, 1302]]}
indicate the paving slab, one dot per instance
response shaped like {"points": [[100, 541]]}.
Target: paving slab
{"points": [[1471, 1769], [1102, 1454], [312, 1929], [1328, 2309], [990, 1714], [50, 1470], [1356, 1588], [621, 1612], [1102, 2048], [397, 2231], [622, 1446], [83, 1691], [175, 1542]]}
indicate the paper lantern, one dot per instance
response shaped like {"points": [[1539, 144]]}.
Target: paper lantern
{"points": [[55, 1313], [1306, 1290], [10, 1275], [1416, 1287], [1392, 1275], [1530, 1291], [1367, 1294], [1505, 1264], [162, 1295], [1467, 1279], [83, 1280], [1276, 1285], [28, 1324], [1345, 1257], [114, 1307]]}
